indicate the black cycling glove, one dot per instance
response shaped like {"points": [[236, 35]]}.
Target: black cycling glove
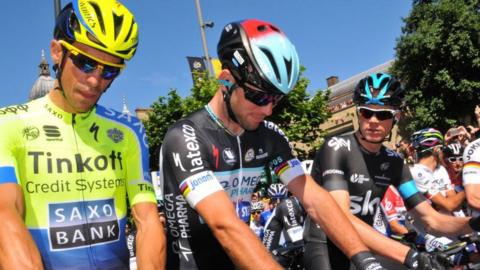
{"points": [[365, 260], [423, 261], [475, 223]]}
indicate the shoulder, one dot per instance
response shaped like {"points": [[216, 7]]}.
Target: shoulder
{"points": [[339, 143], [272, 130], [121, 123], [20, 111], [472, 152]]}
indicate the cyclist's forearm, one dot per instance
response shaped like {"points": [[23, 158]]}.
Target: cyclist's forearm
{"points": [[324, 210], [17, 248], [150, 237], [379, 243], [243, 246]]}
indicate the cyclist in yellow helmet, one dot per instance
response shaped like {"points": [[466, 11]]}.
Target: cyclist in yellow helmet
{"points": [[67, 165]]}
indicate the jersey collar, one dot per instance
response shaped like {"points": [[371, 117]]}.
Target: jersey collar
{"points": [[67, 117]]}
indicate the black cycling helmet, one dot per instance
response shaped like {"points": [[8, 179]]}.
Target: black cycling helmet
{"points": [[259, 53], [380, 89], [453, 150]]}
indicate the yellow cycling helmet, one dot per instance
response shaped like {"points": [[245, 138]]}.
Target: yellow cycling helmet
{"points": [[106, 25]]}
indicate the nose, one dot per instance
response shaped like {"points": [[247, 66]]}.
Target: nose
{"points": [[94, 78]]}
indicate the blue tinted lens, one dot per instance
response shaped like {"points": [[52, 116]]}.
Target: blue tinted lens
{"points": [[88, 65]]}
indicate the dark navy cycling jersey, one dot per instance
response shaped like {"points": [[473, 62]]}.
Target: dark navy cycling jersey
{"points": [[342, 164], [285, 225], [200, 157]]}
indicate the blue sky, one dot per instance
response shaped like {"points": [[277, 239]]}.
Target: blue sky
{"points": [[341, 38]]}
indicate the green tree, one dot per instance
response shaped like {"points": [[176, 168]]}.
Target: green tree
{"points": [[299, 115], [438, 60]]}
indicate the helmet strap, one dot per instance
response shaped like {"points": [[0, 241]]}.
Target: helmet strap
{"points": [[226, 98]]}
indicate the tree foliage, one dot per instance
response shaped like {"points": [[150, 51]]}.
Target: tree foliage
{"points": [[298, 115], [438, 60]]}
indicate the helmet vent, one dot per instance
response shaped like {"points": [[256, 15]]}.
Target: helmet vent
{"points": [[130, 31], [118, 22], [272, 61], [98, 12], [92, 38]]}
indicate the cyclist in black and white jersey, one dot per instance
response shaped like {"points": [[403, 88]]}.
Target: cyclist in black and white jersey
{"points": [[212, 160], [357, 169], [285, 225]]}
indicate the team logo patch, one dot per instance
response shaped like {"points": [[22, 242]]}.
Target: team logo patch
{"points": [[229, 156], [358, 178], [337, 143], [250, 155], [52, 133], [384, 166], [115, 134], [84, 223], [30, 133]]}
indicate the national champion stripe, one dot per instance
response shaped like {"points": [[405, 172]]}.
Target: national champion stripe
{"points": [[408, 189], [472, 164], [282, 168], [184, 188]]}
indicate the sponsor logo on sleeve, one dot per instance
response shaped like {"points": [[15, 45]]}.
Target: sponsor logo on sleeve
{"points": [[195, 181], [14, 109], [337, 143], [80, 224], [94, 129], [332, 171], [358, 178], [261, 154], [178, 161], [191, 142]]}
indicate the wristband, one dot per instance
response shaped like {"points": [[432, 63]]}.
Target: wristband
{"points": [[411, 259], [474, 223], [365, 260]]}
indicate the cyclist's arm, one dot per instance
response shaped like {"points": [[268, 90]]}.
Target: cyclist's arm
{"points": [[150, 237], [17, 248], [440, 223], [321, 207], [450, 203], [397, 228], [472, 192], [237, 239], [374, 240]]}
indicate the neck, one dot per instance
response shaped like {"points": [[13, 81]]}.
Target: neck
{"points": [[370, 147], [429, 162], [57, 97], [219, 108]]}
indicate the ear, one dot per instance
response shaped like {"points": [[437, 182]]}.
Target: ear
{"points": [[56, 51], [226, 76]]}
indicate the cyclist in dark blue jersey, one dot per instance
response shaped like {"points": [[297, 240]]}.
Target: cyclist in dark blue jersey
{"points": [[212, 160], [357, 170]]}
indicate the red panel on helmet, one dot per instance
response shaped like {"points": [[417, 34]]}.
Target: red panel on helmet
{"points": [[251, 28]]}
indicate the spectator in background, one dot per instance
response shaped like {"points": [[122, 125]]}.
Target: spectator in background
{"points": [[405, 150], [458, 134], [453, 162]]}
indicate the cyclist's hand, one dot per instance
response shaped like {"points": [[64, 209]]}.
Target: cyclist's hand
{"points": [[365, 261], [424, 261]]}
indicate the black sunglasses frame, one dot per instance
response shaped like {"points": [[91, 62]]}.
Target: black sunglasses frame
{"points": [[380, 114]]}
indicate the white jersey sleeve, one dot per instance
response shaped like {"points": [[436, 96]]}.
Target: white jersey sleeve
{"points": [[471, 167], [424, 180]]}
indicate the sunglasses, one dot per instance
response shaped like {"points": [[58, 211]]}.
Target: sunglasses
{"points": [[380, 114], [256, 212], [261, 98], [453, 159], [88, 63]]}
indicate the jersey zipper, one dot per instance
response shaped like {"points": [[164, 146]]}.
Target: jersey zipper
{"points": [[85, 230], [240, 172]]}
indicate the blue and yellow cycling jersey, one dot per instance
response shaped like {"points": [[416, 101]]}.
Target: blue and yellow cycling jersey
{"points": [[75, 171]]}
